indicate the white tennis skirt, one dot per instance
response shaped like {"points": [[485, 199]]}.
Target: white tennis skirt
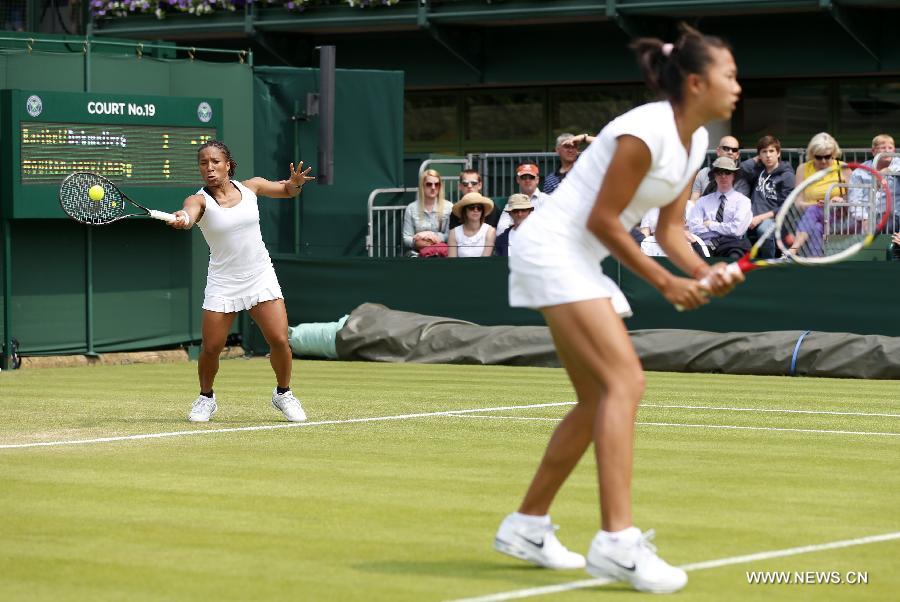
{"points": [[229, 294], [547, 269]]}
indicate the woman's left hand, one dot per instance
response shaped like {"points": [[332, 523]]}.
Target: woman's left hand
{"points": [[300, 176], [718, 280]]}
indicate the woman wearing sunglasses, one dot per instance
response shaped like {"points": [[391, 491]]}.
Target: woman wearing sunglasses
{"points": [[473, 237], [426, 220], [823, 152]]}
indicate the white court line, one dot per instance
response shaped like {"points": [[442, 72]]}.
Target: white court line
{"points": [[270, 427], [704, 426], [696, 566], [779, 411]]}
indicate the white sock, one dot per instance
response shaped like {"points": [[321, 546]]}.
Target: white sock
{"points": [[531, 519], [626, 536]]}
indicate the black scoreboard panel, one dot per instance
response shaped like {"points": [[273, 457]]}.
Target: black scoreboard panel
{"points": [[146, 145], [141, 155]]}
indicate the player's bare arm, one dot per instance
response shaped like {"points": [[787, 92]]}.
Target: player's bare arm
{"points": [[626, 171], [283, 189]]}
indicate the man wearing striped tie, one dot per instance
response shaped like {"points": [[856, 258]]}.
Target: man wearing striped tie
{"points": [[721, 217]]}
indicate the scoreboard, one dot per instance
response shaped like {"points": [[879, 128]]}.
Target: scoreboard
{"points": [[147, 145]]}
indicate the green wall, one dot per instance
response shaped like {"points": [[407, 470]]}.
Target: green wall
{"points": [[327, 221], [147, 279], [856, 296]]}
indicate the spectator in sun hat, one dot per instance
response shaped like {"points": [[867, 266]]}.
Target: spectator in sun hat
{"points": [[470, 180], [721, 218], [703, 181], [473, 237], [519, 207], [528, 177]]}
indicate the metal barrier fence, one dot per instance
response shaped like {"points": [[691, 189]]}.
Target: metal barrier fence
{"points": [[385, 233], [497, 170]]}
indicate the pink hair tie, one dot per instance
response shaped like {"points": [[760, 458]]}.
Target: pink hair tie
{"points": [[667, 49]]}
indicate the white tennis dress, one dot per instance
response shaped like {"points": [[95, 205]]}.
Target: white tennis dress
{"points": [[557, 259], [240, 270]]}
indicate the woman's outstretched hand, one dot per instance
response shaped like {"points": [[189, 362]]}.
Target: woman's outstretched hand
{"points": [[299, 176]]}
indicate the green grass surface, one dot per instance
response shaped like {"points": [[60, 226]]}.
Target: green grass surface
{"points": [[407, 509]]}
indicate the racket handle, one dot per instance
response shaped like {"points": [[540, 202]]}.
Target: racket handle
{"points": [[163, 216], [733, 268]]}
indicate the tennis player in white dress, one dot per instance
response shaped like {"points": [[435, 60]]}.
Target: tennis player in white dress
{"points": [[645, 158], [240, 276]]}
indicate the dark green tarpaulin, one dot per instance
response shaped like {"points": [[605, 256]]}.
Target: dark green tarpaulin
{"points": [[376, 333]]}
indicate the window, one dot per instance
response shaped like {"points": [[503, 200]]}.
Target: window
{"points": [[504, 120], [431, 122], [579, 110], [867, 109], [793, 113]]}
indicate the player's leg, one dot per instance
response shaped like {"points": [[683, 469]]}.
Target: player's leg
{"points": [[271, 317], [215, 328], [593, 333], [570, 439], [529, 534]]}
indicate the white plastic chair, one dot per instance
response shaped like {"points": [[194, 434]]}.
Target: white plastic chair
{"points": [[650, 247]]}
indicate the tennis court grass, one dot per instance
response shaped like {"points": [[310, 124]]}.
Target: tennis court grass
{"points": [[406, 508]]}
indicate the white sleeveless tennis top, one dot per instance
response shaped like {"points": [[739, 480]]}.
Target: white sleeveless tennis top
{"points": [[557, 259], [240, 273], [470, 246], [235, 241]]}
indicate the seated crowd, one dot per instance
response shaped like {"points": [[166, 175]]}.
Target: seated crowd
{"points": [[732, 203]]}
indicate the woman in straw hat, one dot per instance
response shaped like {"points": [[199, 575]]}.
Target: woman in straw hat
{"points": [[645, 158], [473, 237]]}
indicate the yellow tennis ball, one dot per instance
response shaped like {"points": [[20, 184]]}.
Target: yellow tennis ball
{"points": [[96, 192]]}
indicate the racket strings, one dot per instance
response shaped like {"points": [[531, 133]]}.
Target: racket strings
{"points": [[74, 196], [829, 217]]}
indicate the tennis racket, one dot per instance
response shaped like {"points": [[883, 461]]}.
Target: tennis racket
{"points": [[827, 232], [91, 199]]}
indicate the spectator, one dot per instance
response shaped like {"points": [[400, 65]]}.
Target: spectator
{"points": [[824, 153], [567, 149], [470, 181], [728, 147], [426, 219], [519, 208], [721, 218], [473, 237], [527, 177], [771, 181], [894, 250], [647, 228], [882, 143]]}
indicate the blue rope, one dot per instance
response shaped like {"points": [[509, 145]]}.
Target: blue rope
{"points": [[796, 353]]}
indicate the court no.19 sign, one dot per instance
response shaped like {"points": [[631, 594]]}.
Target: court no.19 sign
{"points": [[136, 141]]}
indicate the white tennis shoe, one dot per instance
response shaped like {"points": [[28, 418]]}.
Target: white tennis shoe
{"points": [[288, 405], [203, 408], [535, 543], [631, 557]]}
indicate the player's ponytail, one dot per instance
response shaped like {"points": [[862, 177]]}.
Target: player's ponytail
{"points": [[665, 66]]}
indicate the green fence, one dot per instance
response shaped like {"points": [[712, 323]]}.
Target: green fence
{"points": [[859, 296]]}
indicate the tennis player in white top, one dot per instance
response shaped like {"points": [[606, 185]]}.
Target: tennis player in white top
{"points": [[241, 276], [645, 158]]}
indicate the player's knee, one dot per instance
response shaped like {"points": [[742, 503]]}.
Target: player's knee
{"points": [[212, 347], [279, 342], [630, 385]]}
